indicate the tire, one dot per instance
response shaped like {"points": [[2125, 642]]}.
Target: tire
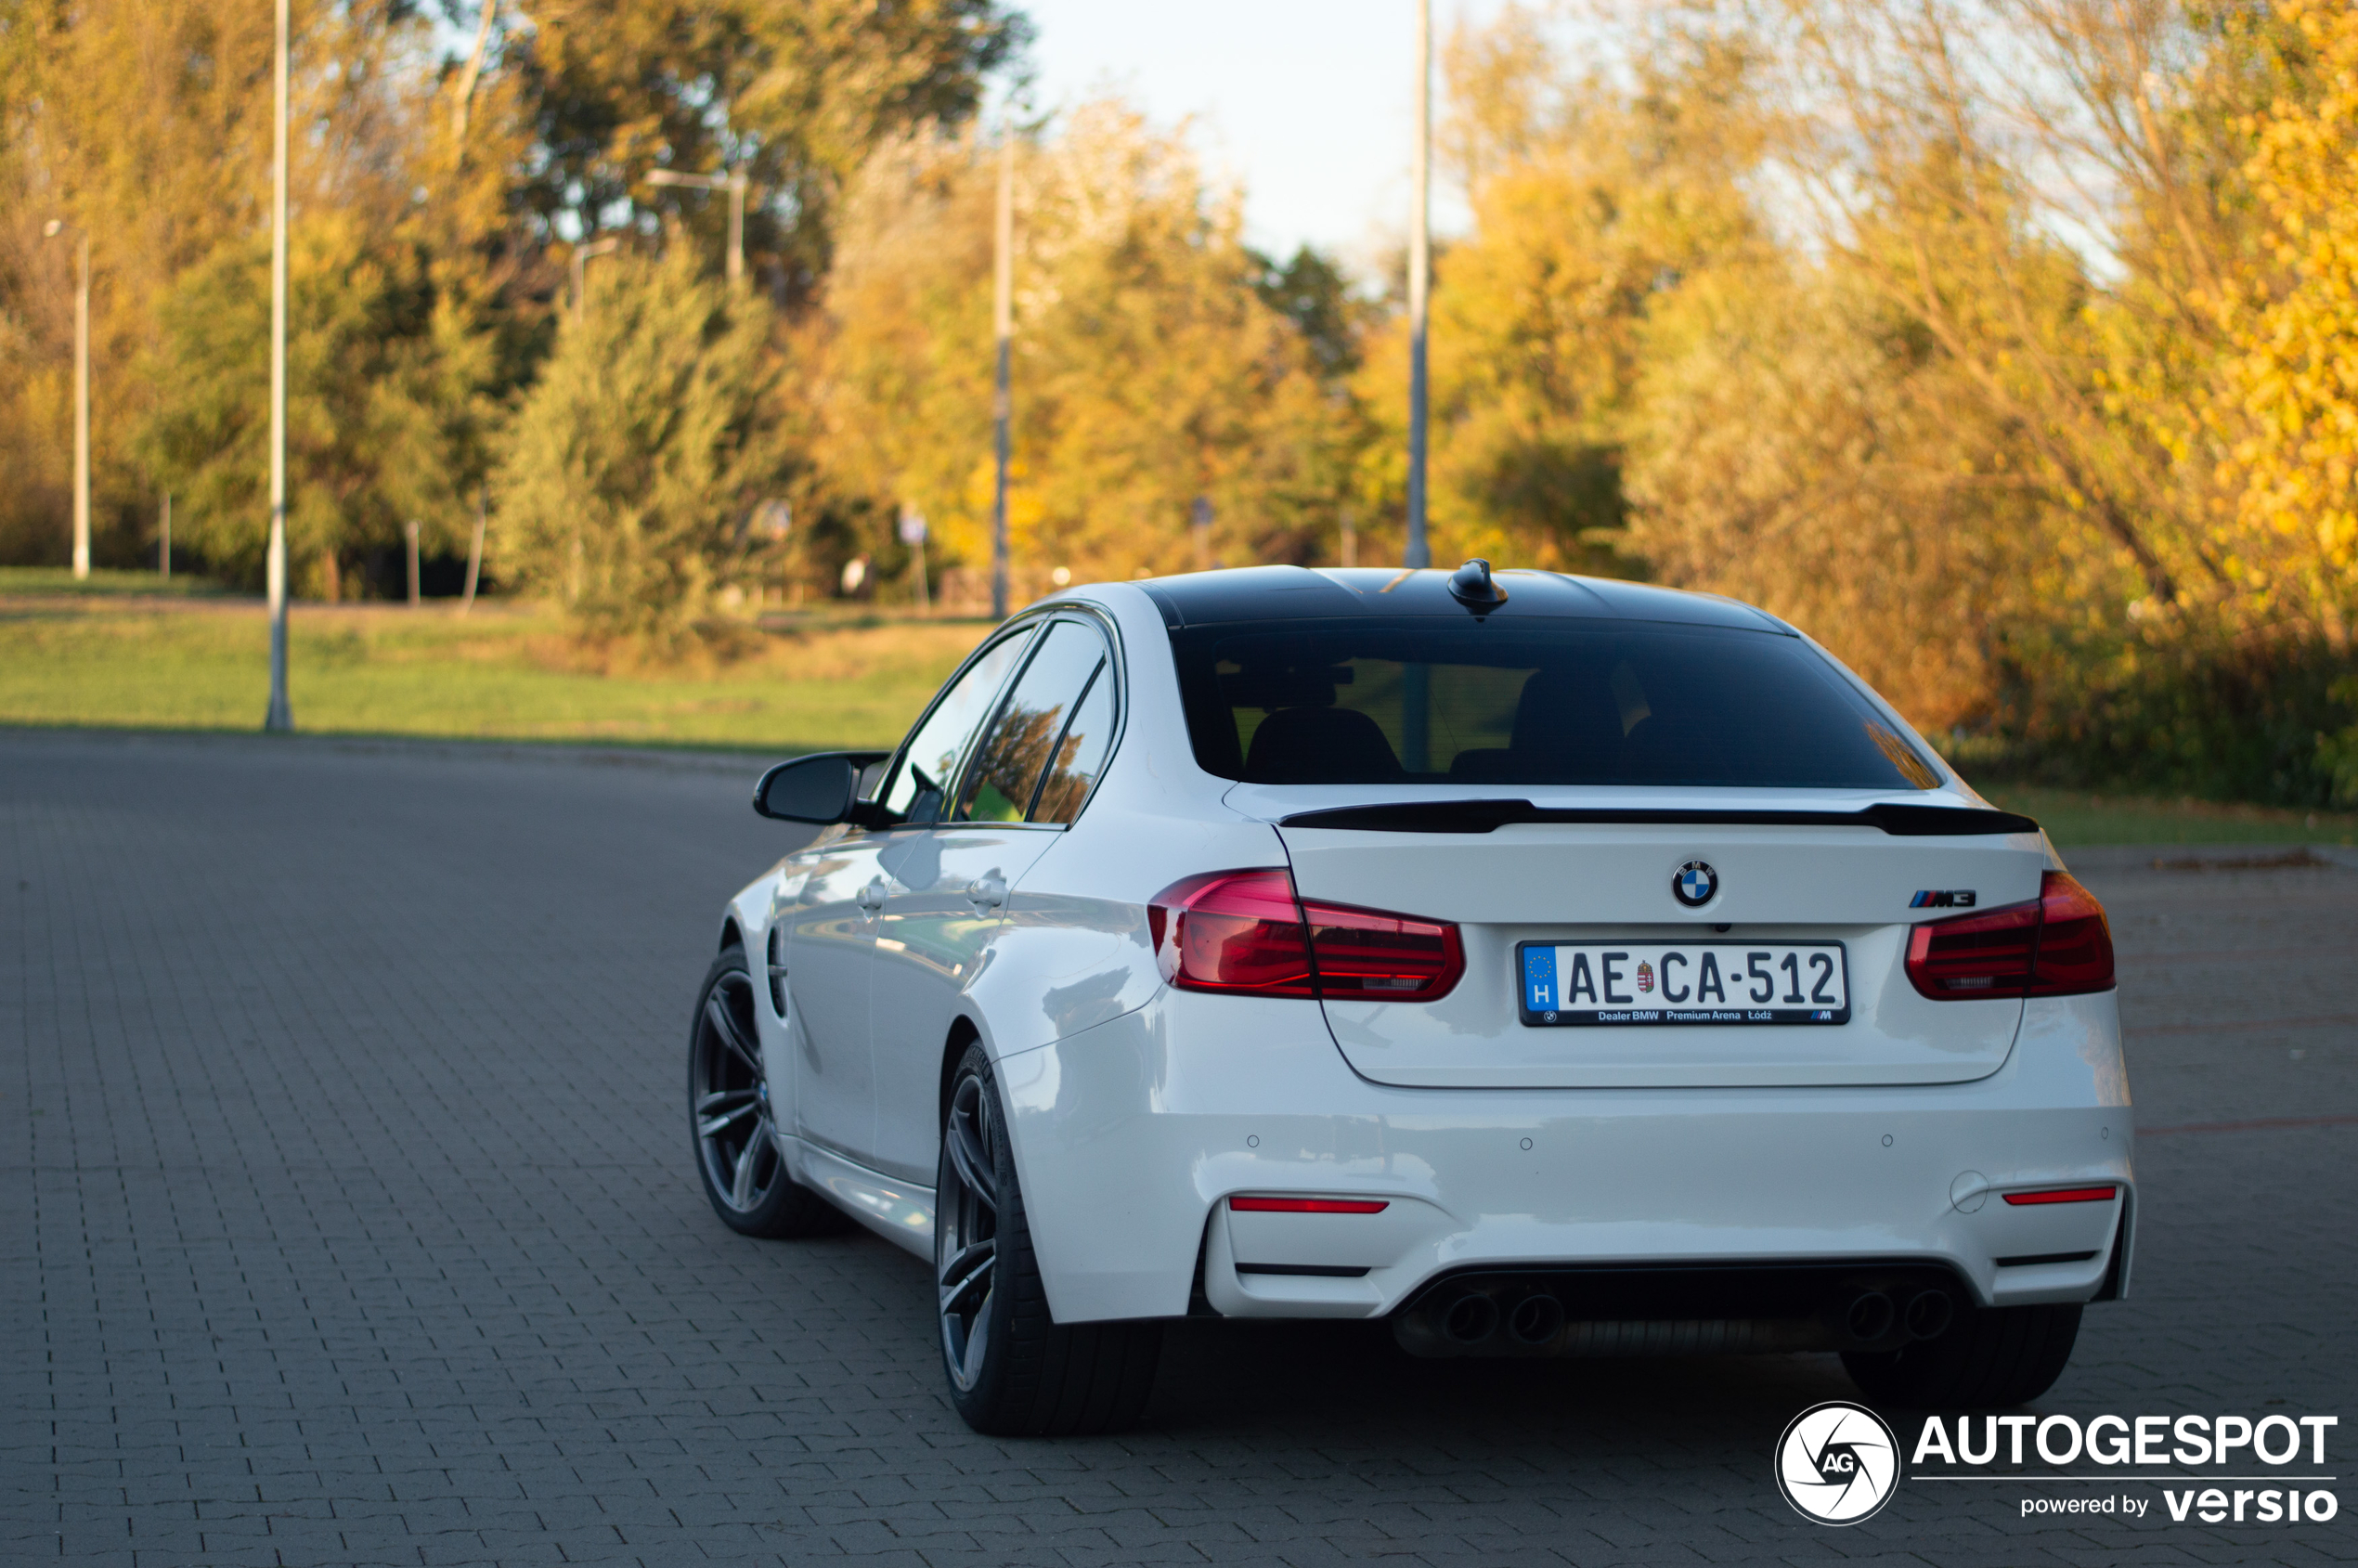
{"points": [[1013, 1370], [729, 1122], [1990, 1358]]}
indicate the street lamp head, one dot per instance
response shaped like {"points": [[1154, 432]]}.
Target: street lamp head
{"points": [[54, 228]]}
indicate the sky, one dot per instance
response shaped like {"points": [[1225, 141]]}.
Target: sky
{"points": [[1308, 104]]}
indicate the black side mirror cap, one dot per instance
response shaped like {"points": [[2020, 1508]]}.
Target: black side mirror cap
{"points": [[823, 788]]}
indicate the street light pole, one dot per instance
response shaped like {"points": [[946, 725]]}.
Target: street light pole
{"points": [[280, 715], [735, 185], [581, 257], [50, 230], [1419, 552], [1003, 317], [736, 228]]}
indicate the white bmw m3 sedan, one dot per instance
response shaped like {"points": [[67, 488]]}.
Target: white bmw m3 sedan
{"points": [[1546, 965]]}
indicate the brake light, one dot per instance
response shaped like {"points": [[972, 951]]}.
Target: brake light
{"points": [[1309, 1205], [1246, 932], [2075, 941], [1232, 930], [2056, 945]]}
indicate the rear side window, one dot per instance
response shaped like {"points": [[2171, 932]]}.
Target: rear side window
{"points": [[1558, 702], [1033, 728], [1080, 756]]}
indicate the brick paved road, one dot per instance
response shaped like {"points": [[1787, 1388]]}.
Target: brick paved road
{"points": [[348, 1219]]}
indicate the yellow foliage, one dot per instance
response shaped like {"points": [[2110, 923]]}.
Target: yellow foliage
{"points": [[1146, 372], [1591, 203], [2290, 395]]}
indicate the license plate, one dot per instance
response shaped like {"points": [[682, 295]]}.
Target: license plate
{"points": [[1653, 982]]}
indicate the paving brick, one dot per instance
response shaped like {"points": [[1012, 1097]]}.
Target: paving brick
{"points": [[344, 1219]]}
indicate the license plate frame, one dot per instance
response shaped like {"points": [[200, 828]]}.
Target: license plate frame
{"points": [[1651, 1007]]}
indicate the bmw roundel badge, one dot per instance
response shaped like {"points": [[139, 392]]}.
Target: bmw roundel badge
{"points": [[1693, 884]]}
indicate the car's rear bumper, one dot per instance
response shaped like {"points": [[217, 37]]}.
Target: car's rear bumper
{"points": [[1131, 1137]]}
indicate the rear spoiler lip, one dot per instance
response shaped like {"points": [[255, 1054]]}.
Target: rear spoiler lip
{"points": [[1487, 816]]}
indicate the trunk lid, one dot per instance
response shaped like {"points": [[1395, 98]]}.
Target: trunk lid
{"points": [[1802, 869]]}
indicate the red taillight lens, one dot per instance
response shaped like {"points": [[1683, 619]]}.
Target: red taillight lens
{"points": [[1232, 930], [1985, 954], [1309, 1205], [2075, 941], [2059, 945], [1244, 931], [1374, 956]]}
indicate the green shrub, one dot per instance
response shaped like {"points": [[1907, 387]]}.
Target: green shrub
{"points": [[633, 471]]}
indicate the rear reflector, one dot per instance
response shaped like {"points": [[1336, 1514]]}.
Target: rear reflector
{"points": [[2065, 1195], [1245, 932], [1309, 1205], [2056, 945]]}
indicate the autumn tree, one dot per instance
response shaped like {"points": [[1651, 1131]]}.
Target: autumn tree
{"points": [[2287, 409], [1593, 203], [1152, 373], [792, 97], [632, 475]]}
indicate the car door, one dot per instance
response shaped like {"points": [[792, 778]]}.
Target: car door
{"points": [[837, 913], [946, 887], [832, 894]]}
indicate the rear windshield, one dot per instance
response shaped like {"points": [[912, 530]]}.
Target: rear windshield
{"points": [[1531, 703]]}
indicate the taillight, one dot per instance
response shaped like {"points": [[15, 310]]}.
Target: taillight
{"points": [[1245, 931], [1232, 930], [2056, 945], [1374, 956], [2075, 943]]}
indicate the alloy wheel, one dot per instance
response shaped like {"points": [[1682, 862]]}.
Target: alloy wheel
{"points": [[966, 1244], [741, 1162]]}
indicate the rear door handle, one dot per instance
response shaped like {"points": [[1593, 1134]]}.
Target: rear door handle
{"points": [[987, 892]]}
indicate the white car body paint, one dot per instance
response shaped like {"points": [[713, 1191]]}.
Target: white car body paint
{"points": [[1136, 1109]]}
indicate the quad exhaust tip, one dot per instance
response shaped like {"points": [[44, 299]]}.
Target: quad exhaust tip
{"points": [[1929, 1315], [1528, 1317], [1538, 1318], [1471, 1319], [1870, 1316]]}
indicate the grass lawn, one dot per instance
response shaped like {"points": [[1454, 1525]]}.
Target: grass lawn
{"points": [[2079, 817], [110, 655], [123, 650]]}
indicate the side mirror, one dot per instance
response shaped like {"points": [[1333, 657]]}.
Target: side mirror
{"points": [[822, 787]]}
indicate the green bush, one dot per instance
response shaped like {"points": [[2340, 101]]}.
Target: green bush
{"points": [[632, 473], [2272, 721]]}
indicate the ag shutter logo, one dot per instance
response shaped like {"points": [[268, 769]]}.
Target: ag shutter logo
{"points": [[1837, 1463]]}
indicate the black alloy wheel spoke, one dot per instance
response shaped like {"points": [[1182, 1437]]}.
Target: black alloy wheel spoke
{"points": [[710, 1122], [713, 1125], [970, 1147], [965, 1280], [724, 1024], [743, 1190]]}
